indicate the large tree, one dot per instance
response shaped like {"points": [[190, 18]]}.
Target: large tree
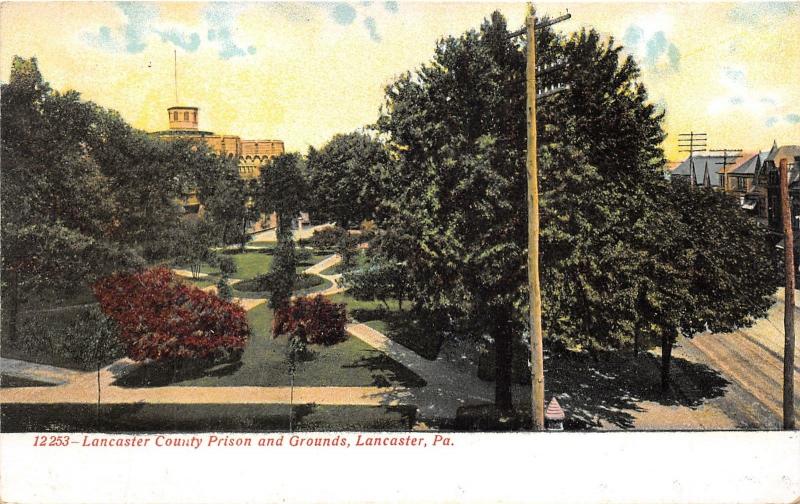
{"points": [[344, 176], [611, 233], [61, 214]]}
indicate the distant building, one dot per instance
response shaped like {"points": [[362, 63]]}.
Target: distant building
{"points": [[740, 178], [790, 154], [252, 154], [705, 170]]}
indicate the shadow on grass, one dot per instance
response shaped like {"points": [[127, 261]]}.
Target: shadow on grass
{"points": [[8, 381], [403, 328], [600, 394], [608, 391], [159, 374], [143, 417], [387, 372]]}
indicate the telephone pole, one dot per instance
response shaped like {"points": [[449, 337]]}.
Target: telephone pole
{"points": [[788, 303], [692, 142], [534, 288], [729, 157]]}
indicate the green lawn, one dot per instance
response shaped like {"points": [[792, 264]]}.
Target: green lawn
{"points": [[395, 323], [253, 263], [351, 363]]}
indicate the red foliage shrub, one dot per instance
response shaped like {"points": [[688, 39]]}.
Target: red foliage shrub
{"points": [[160, 317], [315, 319]]}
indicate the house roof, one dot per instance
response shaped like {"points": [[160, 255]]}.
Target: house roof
{"points": [[784, 151], [700, 163], [751, 162]]}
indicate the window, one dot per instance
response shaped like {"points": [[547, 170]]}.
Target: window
{"points": [[194, 116], [186, 116], [174, 116], [740, 184]]}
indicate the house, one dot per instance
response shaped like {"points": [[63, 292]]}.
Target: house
{"points": [[755, 198], [706, 170], [790, 154]]}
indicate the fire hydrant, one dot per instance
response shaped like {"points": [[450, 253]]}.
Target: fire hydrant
{"points": [[554, 416]]}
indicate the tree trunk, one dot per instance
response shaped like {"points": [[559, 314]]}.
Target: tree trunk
{"points": [[636, 343], [13, 305], [502, 367], [666, 360], [400, 302]]}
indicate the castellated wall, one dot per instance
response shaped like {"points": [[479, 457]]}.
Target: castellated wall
{"points": [[251, 154]]}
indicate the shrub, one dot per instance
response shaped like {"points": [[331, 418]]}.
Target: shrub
{"points": [[315, 319], [302, 255], [224, 290], [327, 238], [226, 264], [74, 336], [161, 318], [261, 283]]}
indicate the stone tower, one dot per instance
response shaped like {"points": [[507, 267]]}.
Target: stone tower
{"points": [[182, 118]]}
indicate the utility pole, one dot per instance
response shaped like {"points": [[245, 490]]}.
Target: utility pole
{"points": [[534, 288], [729, 157], [692, 142], [788, 304]]}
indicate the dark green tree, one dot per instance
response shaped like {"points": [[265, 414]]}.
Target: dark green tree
{"points": [[283, 190], [344, 176], [718, 273], [62, 218]]}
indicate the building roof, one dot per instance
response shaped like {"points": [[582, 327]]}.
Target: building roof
{"points": [[784, 151], [751, 162], [700, 163], [189, 132]]}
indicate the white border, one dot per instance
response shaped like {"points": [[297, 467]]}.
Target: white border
{"points": [[552, 468]]}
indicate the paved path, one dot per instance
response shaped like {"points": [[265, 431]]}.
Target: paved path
{"points": [[188, 274], [452, 379], [321, 266], [38, 372], [751, 359], [298, 234]]}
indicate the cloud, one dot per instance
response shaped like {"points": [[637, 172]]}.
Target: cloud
{"points": [[793, 118], [346, 14], [343, 14], [754, 12], [142, 20], [130, 37], [738, 95], [221, 20], [633, 35], [372, 29], [103, 39], [189, 42], [652, 48], [139, 15]]}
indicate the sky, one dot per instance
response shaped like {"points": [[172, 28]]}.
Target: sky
{"points": [[302, 72]]}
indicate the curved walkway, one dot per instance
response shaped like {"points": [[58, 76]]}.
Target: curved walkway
{"points": [[321, 266], [450, 383]]}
